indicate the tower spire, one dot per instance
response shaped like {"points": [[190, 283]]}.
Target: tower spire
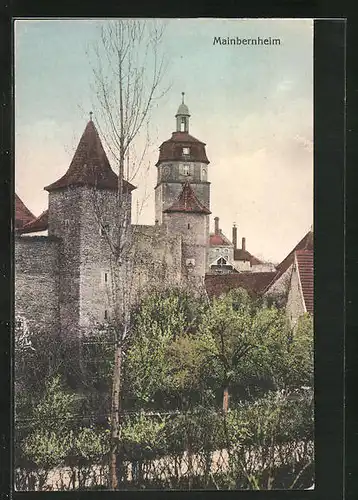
{"points": [[182, 116]]}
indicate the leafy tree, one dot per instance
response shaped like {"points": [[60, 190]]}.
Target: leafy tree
{"points": [[161, 319], [233, 328]]}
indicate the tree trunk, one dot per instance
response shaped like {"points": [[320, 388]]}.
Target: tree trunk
{"points": [[226, 399], [115, 415]]}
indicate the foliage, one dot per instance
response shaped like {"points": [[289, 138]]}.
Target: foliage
{"points": [[182, 351], [161, 319], [143, 436]]}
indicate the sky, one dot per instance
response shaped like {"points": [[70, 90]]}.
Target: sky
{"points": [[251, 105]]}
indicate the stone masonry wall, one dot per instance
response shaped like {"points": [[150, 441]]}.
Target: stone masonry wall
{"points": [[98, 208], [63, 222], [281, 286], [37, 282], [295, 305], [157, 259]]}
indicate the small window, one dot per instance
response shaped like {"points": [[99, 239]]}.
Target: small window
{"points": [[105, 277], [188, 226], [222, 262], [66, 223], [104, 230], [105, 314], [186, 151], [182, 125]]}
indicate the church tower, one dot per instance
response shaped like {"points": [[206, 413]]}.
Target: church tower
{"points": [[182, 158]]}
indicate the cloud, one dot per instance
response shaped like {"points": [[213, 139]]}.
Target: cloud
{"points": [[285, 86]]}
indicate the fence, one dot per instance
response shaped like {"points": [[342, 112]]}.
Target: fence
{"points": [[202, 449]]}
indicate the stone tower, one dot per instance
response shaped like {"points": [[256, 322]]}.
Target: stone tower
{"points": [[182, 158], [188, 217], [82, 208]]}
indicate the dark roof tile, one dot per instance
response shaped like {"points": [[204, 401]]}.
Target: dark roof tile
{"points": [[172, 149], [22, 213], [254, 283], [90, 165], [39, 224]]}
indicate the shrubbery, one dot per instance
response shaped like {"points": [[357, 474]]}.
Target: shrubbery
{"points": [[215, 395]]}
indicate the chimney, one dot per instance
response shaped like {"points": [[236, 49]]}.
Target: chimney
{"points": [[234, 235], [216, 219], [243, 244]]}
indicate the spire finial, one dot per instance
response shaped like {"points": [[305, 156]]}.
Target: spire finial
{"points": [[182, 98], [91, 113]]}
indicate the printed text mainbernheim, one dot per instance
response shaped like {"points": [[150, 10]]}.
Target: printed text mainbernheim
{"points": [[219, 40]]}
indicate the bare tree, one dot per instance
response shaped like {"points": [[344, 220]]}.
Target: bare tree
{"points": [[128, 73]]}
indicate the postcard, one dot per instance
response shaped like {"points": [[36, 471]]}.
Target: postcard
{"points": [[164, 254]]}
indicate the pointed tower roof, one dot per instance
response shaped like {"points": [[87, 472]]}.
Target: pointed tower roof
{"points": [[22, 213], [187, 202], [90, 165]]}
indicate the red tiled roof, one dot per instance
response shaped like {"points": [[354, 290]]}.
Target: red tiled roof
{"points": [[172, 149], [254, 283], [240, 254], [218, 240], [187, 202], [304, 262], [90, 165], [39, 224], [22, 213], [305, 244]]}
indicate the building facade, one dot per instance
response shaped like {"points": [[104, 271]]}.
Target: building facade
{"points": [[66, 263], [65, 260]]}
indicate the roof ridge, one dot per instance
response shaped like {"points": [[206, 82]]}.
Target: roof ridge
{"points": [[22, 214]]}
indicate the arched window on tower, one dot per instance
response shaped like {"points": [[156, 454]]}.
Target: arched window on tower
{"points": [[182, 125], [186, 170]]}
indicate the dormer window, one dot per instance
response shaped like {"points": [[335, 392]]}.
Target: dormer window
{"points": [[222, 262], [104, 229], [186, 151]]}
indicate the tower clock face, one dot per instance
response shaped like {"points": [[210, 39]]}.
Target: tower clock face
{"points": [[166, 171]]}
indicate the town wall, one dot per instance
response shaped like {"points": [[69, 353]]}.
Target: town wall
{"points": [[37, 282]]}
